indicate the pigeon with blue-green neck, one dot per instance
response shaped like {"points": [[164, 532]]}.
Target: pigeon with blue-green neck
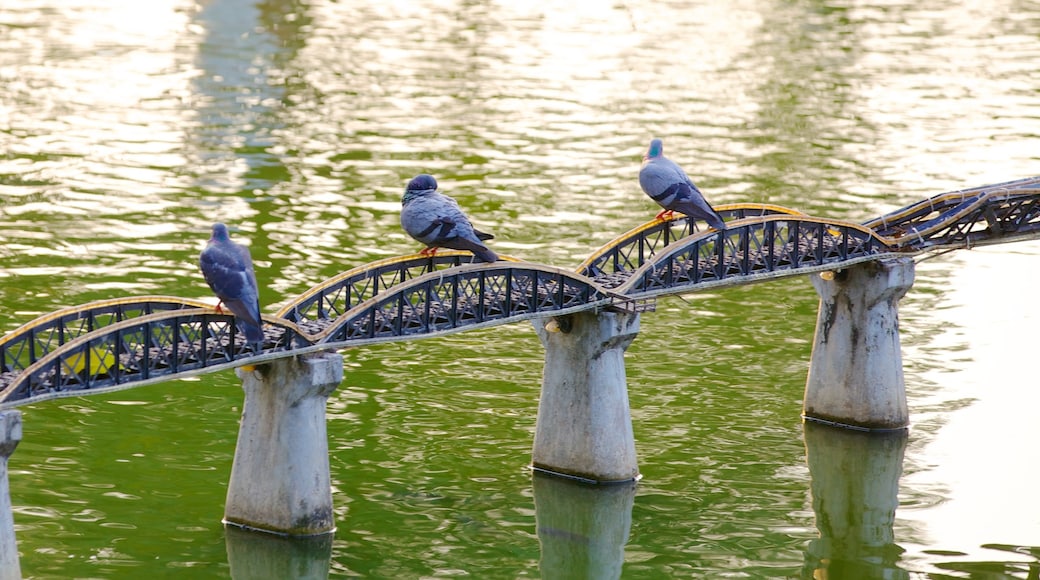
{"points": [[667, 184]]}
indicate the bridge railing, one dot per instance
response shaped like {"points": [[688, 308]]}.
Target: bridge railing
{"points": [[469, 296], [335, 296], [981, 215], [145, 349], [753, 249], [611, 264], [112, 343], [131, 347], [28, 343]]}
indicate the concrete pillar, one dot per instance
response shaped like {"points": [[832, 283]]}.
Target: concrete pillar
{"points": [[10, 436], [582, 528], [855, 493], [584, 427], [856, 372], [280, 477]]}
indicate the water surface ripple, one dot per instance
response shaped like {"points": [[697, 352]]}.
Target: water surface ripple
{"points": [[127, 128]]}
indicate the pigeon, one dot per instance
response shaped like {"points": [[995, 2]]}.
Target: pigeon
{"points": [[228, 269], [437, 221], [667, 184]]}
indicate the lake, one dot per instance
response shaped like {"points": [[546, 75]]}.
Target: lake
{"points": [[127, 128]]}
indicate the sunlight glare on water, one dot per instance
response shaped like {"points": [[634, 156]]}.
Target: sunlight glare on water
{"points": [[128, 128]]}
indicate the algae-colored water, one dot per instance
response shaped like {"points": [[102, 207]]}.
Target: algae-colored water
{"points": [[127, 128]]}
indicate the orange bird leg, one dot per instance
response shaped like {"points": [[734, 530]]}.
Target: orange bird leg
{"points": [[665, 214], [218, 308], [429, 251]]}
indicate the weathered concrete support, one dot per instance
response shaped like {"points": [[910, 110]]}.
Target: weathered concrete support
{"points": [[584, 426], [855, 493], [856, 371], [280, 477], [10, 436], [582, 528]]}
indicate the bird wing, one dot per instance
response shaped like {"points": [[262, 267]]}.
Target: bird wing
{"points": [[667, 184], [224, 274], [658, 181], [433, 219], [230, 275], [482, 252], [437, 220]]}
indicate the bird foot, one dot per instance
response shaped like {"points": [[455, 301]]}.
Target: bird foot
{"points": [[665, 215], [429, 252], [218, 308]]}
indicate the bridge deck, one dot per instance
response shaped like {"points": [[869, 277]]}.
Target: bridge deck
{"points": [[125, 342]]}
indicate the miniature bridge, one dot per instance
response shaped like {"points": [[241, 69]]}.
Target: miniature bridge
{"points": [[126, 342]]}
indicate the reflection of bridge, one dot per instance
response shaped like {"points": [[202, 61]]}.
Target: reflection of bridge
{"points": [[122, 343]]}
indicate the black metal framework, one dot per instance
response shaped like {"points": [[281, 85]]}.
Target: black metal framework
{"points": [[611, 264], [145, 349], [118, 343], [990, 214], [103, 346], [753, 249], [328, 300], [33, 340], [465, 297]]}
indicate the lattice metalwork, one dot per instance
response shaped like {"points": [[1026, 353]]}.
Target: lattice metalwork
{"points": [[982, 215], [33, 340], [614, 262], [752, 249], [115, 343], [144, 349], [326, 301], [468, 296]]}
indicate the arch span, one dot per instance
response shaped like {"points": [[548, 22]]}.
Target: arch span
{"points": [[146, 349], [751, 250], [469, 296], [110, 345], [117, 343]]}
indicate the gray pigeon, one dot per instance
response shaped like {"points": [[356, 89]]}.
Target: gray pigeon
{"points": [[437, 221], [667, 184], [228, 269]]}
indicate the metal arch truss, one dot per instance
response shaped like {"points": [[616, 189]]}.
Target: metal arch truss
{"points": [[108, 345], [469, 296], [316, 307], [151, 343], [750, 250], [114, 344], [33, 340], [613, 263], [990, 214]]}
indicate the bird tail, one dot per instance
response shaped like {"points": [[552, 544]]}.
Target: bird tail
{"points": [[479, 250], [483, 253], [248, 320], [716, 221], [254, 334], [483, 236], [705, 212]]}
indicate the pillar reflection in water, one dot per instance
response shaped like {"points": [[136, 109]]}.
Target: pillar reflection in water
{"points": [[582, 528], [855, 488], [253, 556], [10, 436]]}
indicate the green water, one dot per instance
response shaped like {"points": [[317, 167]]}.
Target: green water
{"points": [[127, 128]]}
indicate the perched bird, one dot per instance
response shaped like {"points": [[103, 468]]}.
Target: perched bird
{"points": [[667, 184], [228, 269], [437, 221]]}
